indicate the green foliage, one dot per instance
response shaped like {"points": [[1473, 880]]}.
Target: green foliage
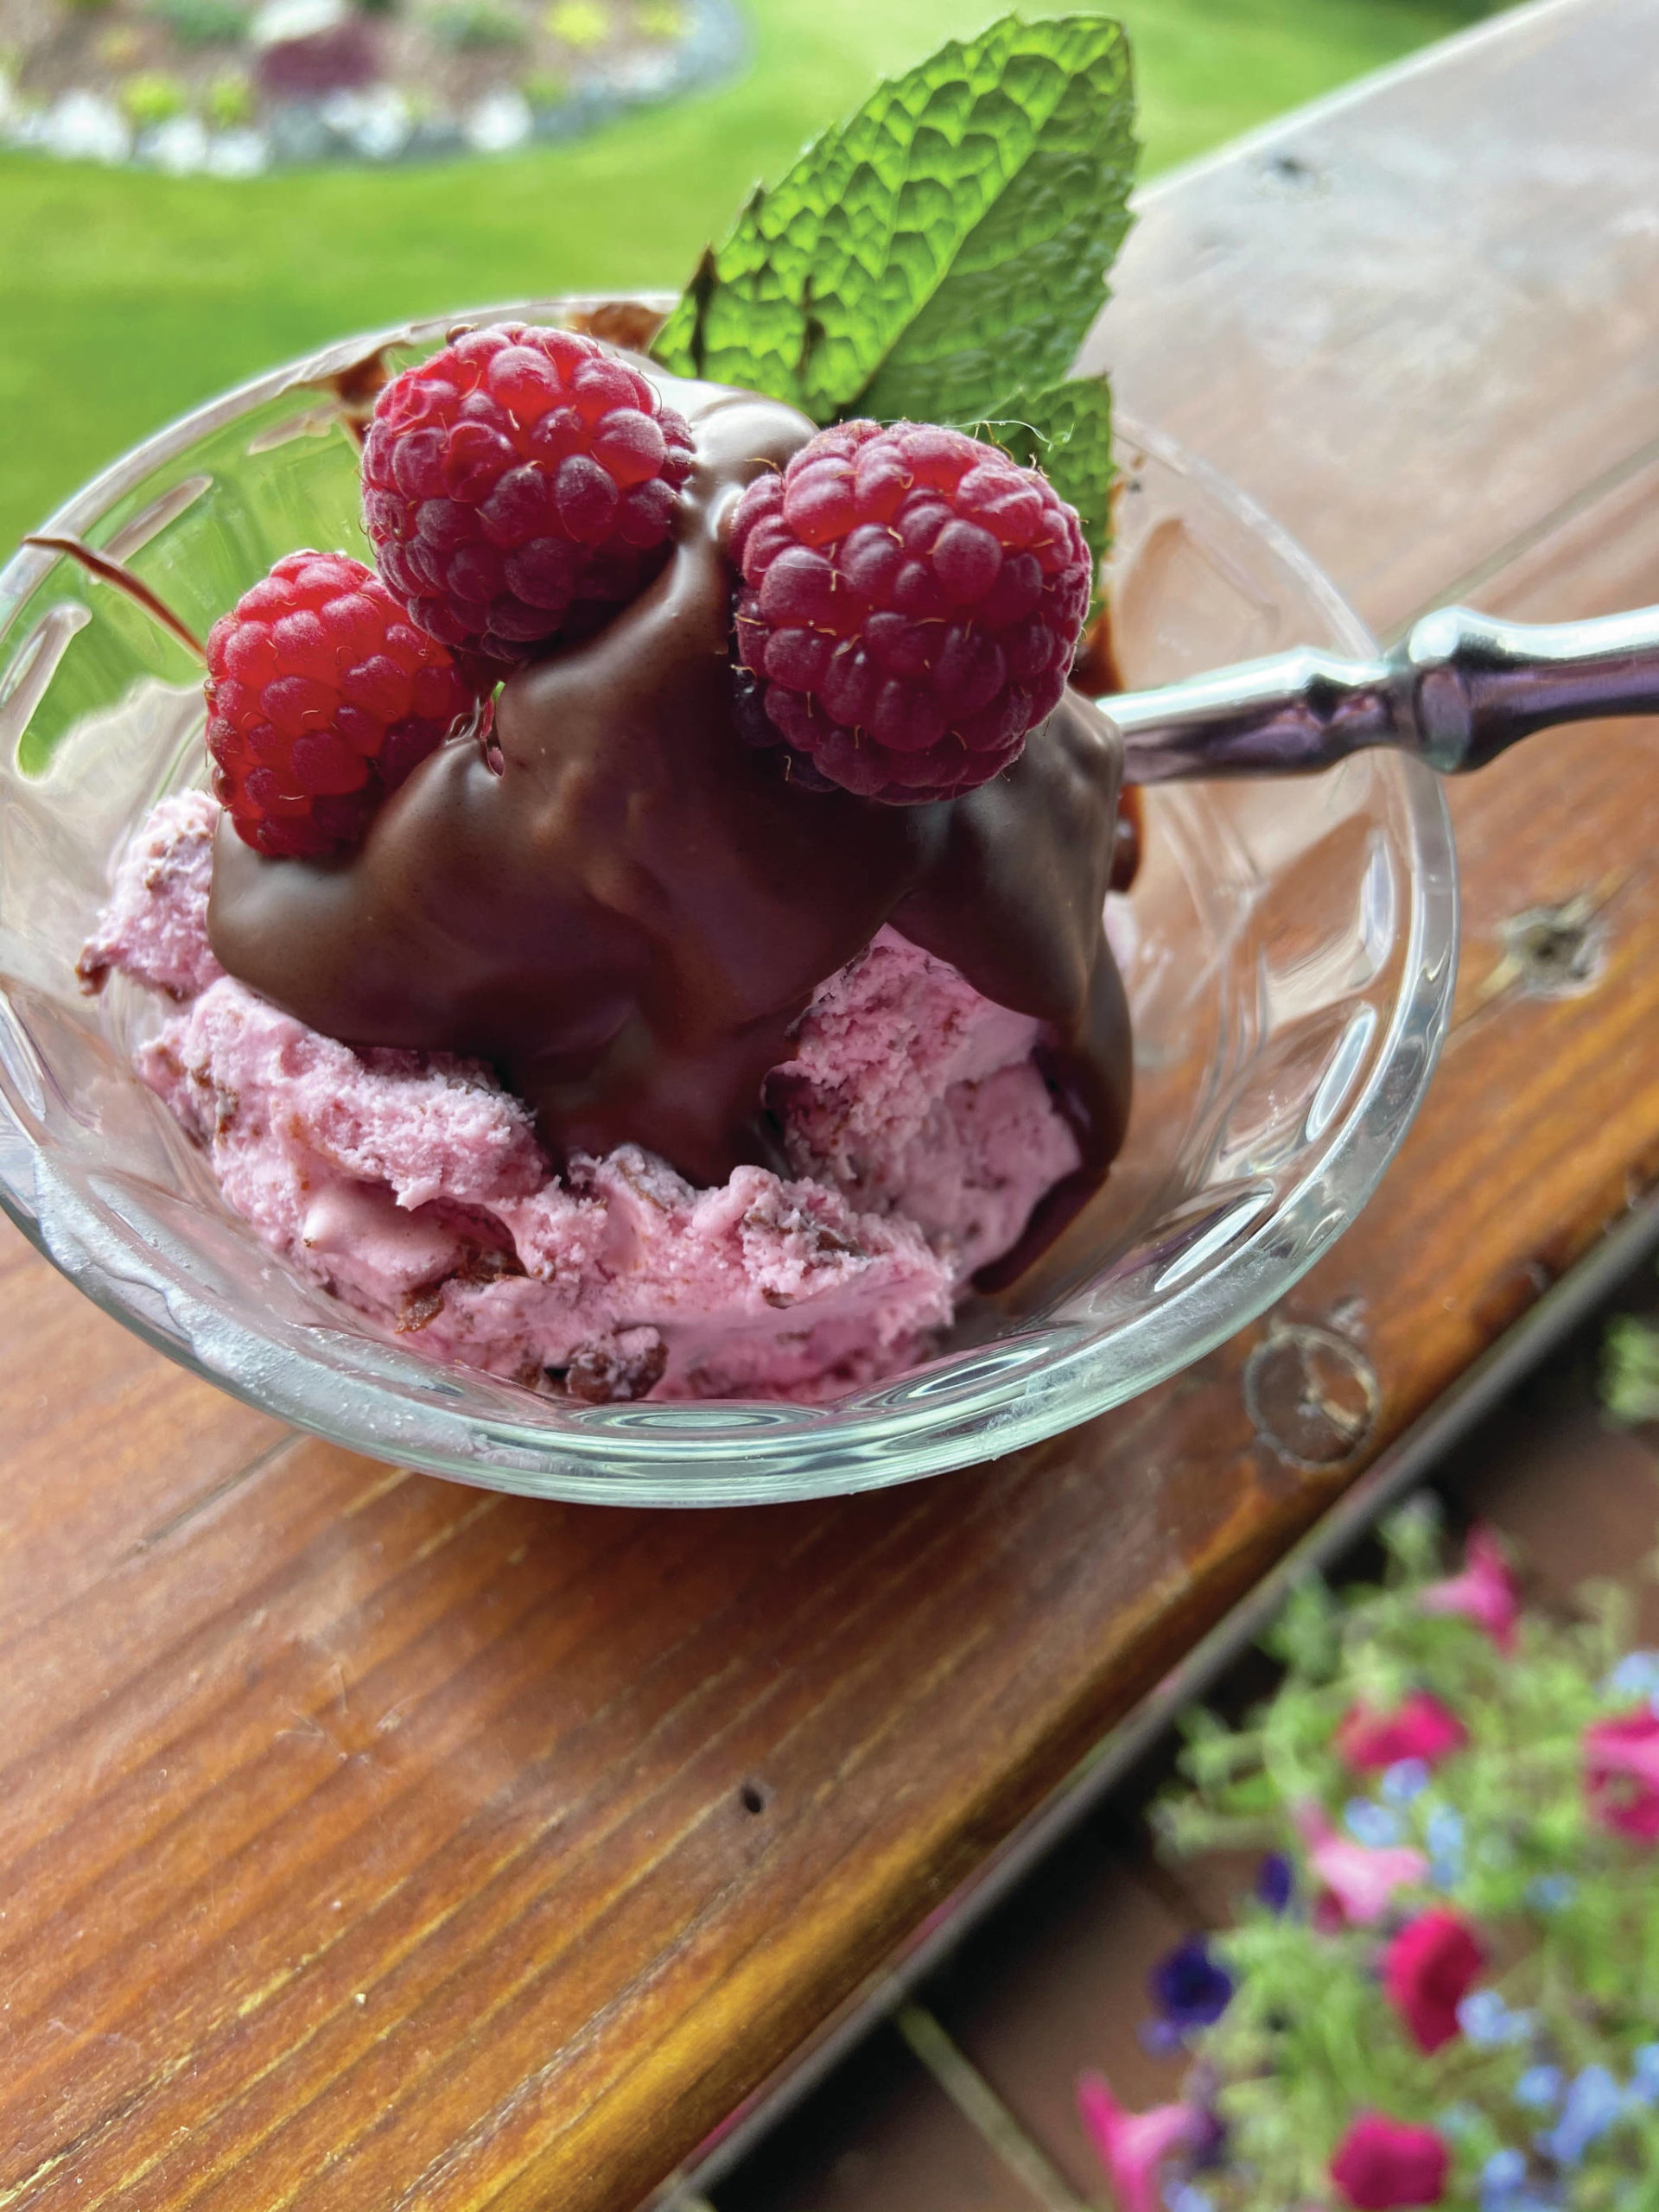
{"points": [[228, 101], [202, 23], [583, 24], [1567, 1910], [1630, 1371], [544, 89], [661, 21], [477, 26], [942, 250], [152, 96]]}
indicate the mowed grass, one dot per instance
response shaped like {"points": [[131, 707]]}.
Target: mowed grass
{"points": [[127, 297]]}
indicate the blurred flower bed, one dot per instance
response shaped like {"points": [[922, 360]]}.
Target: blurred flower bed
{"points": [[1445, 1987], [234, 87]]}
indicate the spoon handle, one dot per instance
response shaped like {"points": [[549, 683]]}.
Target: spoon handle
{"points": [[1457, 689]]}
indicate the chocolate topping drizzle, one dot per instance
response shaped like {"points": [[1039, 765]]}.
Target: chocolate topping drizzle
{"points": [[627, 909]]}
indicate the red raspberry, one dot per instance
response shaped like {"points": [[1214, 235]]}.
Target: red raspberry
{"points": [[912, 601], [321, 696], [519, 488]]}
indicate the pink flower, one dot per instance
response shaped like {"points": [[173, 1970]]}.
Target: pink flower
{"points": [[1132, 2145], [1484, 1593], [1427, 1971], [1383, 2163], [1621, 1775], [1360, 1877], [1420, 1727]]}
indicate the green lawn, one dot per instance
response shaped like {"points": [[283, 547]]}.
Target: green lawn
{"points": [[129, 297]]}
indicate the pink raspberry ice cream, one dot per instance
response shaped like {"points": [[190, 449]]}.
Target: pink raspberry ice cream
{"points": [[920, 1129]]}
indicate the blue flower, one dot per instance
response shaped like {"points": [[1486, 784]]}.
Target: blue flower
{"points": [[1370, 1824], [1444, 1836], [1549, 1893], [1488, 2022], [1405, 1780], [1539, 2089], [1594, 2103], [1504, 2185], [1644, 2078], [1274, 1881], [1502, 2174], [1188, 1987], [1182, 2196], [1636, 1675]]}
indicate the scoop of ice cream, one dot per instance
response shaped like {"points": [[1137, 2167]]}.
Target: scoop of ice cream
{"points": [[414, 1188], [918, 1129]]}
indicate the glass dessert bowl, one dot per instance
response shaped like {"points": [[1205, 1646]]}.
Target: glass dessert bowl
{"points": [[1287, 950]]}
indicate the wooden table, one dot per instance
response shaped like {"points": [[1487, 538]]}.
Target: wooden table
{"points": [[368, 1842]]}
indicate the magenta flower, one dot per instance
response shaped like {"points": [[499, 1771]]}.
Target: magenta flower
{"points": [[1420, 1727], [1621, 1775], [1427, 1971], [1381, 2164], [1132, 2145], [1362, 1878], [1484, 1593]]}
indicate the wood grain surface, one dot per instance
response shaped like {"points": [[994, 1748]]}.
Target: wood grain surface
{"points": [[370, 1843]]}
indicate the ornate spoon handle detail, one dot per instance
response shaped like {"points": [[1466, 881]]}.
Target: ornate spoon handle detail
{"points": [[1456, 690]]}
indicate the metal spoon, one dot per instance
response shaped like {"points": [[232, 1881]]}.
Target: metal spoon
{"points": [[1456, 690]]}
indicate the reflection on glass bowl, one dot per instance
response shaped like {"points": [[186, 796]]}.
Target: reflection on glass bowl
{"points": [[1288, 950]]}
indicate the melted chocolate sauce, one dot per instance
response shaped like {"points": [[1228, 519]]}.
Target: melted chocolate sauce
{"points": [[628, 909]]}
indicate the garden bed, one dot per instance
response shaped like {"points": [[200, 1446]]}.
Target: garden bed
{"points": [[235, 87]]}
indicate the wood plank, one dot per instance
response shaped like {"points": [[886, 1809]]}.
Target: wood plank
{"points": [[89, 1417], [1420, 317], [365, 1840]]}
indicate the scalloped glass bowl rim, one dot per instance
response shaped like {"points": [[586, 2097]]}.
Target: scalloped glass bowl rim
{"points": [[1051, 1376]]}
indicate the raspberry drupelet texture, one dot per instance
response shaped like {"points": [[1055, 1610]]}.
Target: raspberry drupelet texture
{"points": [[321, 696], [519, 488], [911, 604]]}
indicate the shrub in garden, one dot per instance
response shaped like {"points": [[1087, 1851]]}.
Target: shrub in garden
{"points": [[343, 60], [582, 24], [475, 26], [1445, 1991], [152, 98], [1630, 1373], [203, 22], [228, 101]]}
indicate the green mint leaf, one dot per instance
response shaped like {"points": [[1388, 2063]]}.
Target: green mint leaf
{"points": [[1066, 431], [1027, 280], [945, 245]]}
